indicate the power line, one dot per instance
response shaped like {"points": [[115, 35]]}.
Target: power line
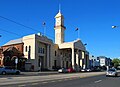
{"points": [[18, 23], [22, 25], [9, 32]]}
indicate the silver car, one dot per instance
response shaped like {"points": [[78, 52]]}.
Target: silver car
{"points": [[112, 72], [8, 70]]}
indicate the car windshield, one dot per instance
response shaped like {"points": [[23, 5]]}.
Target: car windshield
{"points": [[112, 70]]}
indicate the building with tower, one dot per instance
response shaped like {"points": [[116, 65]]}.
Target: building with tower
{"points": [[68, 54], [43, 54]]}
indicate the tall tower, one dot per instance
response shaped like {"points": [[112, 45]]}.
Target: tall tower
{"points": [[59, 28]]}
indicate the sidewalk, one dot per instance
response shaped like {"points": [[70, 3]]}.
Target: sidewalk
{"points": [[40, 73]]}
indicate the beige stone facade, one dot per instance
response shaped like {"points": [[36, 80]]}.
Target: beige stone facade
{"points": [[37, 49]]}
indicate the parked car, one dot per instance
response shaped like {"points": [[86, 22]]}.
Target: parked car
{"points": [[88, 70], [8, 70], [63, 70], [112, 72], [83, 70], [70, 70]]}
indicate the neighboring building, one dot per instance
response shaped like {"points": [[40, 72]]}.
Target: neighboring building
{"points": [[10, 52], [42, 53], [93, 61], [104, 61]]}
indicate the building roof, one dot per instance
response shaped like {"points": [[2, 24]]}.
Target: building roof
{"points": [[76, 44], [11, 49], [16, 41]]}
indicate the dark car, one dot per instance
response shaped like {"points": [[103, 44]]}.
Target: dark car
{"points": [[8, 70]]}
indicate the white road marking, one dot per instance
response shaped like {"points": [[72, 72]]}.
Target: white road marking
{"points": [[98, 81]]}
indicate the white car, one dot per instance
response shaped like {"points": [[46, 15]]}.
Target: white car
{"points": [[112, 72], [83, 70], [63, 70], [88, 70], [8, 70]]}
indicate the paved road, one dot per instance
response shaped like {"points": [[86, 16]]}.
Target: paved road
{"points": [[62, 80], [94, 81]]}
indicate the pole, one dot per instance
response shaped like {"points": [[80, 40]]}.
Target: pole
{"points": [[44, 28], [78, 33]]}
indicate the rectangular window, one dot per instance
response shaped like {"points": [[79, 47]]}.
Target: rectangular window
{"points": [[55, 53], [43, 51], [38, 49], [26, 49]]}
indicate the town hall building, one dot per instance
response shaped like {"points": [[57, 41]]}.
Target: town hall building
{"points": [[41, 53]]}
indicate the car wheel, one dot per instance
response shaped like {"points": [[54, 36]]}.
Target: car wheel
{"points": [[17, 73], [3, 73]]}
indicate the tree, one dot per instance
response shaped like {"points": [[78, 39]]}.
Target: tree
{"points": [[116, 62]]}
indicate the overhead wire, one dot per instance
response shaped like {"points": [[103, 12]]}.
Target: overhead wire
{"points": [[21, 25], [9, 32], [18, 23]]}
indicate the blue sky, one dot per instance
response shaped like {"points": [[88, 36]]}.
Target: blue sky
{"points": [[94, 19]]}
